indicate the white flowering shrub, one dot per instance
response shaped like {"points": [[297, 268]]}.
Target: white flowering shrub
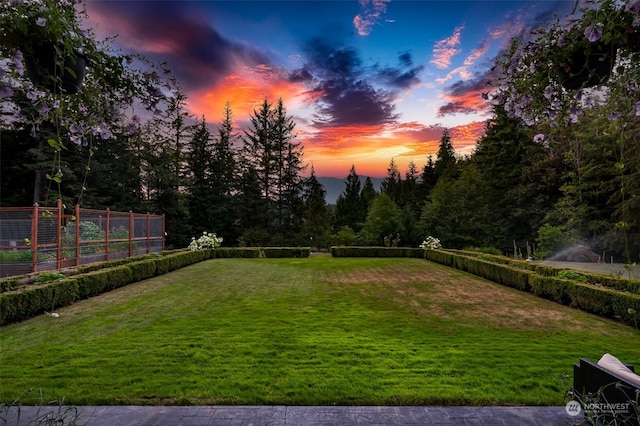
{"points": [[208, 240], [431, 243]]}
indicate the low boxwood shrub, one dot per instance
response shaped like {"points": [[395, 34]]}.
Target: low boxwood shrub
{"points": [[589, 298], [551, 288], [142, 270], [290, 252], [98, 282], [376, 251], [32, 300], [500, 273], [617, 283], [442, 257]]}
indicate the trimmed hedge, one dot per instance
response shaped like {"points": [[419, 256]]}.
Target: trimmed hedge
{"points": [[19, 301], [256, 252], [375, 251], [551, 288], [613, 282], [29, 302]]}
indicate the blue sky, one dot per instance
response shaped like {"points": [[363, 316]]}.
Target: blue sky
{"points": [[365, 81]]}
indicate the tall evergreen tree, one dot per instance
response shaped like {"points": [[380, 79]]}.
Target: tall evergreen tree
{"points": [[223, 173], [289, 183], [350, 208], [446, 157], [368, 193], [409, 188], [428, 180], [456, 213], [114, 179], [391, 184], [165, 168], [201, 200], [315, 213], [270, 152], [502, 157]]}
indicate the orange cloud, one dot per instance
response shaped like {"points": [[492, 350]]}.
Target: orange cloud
{"points": [[245, 90], [465, 136], [445, 49], [465, 101], [370, 148]]}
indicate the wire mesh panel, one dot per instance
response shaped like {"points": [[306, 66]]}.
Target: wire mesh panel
{"points": [[42, 238], [46, 238], [16, 252], [120, 245]]}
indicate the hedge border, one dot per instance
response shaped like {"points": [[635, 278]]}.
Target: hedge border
{"points": [[24, 301]]}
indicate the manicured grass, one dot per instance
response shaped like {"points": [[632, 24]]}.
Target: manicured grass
{"points": [[316, 331]]}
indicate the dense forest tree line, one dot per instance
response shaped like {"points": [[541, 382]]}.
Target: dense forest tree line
{"points": [[249, 186]]}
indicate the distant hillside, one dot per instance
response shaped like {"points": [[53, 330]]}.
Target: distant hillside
{"points": [[336, 186]]}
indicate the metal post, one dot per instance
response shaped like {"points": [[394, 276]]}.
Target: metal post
{"points": [[106, 249], [77, 238], [58, 231], [34, 238], [131, 233], [148, 233]]}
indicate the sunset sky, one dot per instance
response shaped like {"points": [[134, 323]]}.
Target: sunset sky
{"points": [[365, 81]]}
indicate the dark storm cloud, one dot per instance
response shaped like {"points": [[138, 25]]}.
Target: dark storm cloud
{"points": [[405, 59], [168, 31], [352, 102], [346, 97], [397, 78], [456, 107], [300, 75]]}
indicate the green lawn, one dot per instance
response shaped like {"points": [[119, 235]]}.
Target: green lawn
{"points": [[316, 331]]}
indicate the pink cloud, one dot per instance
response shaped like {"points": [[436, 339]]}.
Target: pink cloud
{"points": [[477, 53], [371, 15], [446, 48]]}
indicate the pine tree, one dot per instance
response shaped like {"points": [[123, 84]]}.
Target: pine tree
{"points": [[445, 157], [165, 168], [350, 208], [201, 201], [368, 193], [427, 181], [270, 152], [391, 185], [289, 164], [223, 169], [315, 214]]}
